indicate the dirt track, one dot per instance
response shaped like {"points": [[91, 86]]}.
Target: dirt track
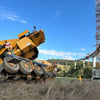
{"points": [[52, 90]]}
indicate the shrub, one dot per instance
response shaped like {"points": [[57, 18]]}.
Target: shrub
{"points": [[87, 73]]}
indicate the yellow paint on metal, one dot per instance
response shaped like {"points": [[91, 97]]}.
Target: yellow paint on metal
{"points": [[2, 50], [17, 52], [38, 37], [1, 61], [51, 68], [23, 33], [25, 43], [12, 41]]}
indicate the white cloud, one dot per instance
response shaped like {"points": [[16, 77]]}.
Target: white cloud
{"points": [[10, 16], [82, 49], [62, 55]]}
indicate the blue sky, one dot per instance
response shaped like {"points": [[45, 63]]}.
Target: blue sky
{"points": [[69, 25]]}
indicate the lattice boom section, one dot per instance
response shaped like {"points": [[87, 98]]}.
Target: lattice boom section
{"points": [[98, 33], [97, 22]]}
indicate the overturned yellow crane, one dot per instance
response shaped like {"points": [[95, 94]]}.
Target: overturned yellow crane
{"points": [[17, 58]]}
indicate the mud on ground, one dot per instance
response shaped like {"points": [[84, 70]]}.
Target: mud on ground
{"points": [[51, 90]]}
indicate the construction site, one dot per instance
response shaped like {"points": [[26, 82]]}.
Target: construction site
{"points": [[23, 77]]}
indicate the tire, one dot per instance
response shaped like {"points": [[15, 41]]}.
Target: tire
{"points": [[52, 75], [1, 67], [10, 67], [38, 70], [45, 70], [25, 67]]}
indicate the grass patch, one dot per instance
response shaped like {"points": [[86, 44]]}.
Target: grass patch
{"points": [[69, 79]]}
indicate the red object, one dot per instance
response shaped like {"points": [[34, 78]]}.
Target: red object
{"points": [[8, 45], [54, 63]]}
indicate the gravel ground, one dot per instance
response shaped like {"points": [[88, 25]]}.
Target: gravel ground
{"points": [[50, 90]]}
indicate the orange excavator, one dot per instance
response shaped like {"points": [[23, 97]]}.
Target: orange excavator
{"points": [[17, 58]]}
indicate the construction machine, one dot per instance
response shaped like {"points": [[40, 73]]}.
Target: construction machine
{"points": [[17, 58]]}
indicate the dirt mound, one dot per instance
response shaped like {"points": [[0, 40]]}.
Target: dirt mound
{"points": [[51, 90]]}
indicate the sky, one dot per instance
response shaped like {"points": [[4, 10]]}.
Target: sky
{"points": [[69, 25]]}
